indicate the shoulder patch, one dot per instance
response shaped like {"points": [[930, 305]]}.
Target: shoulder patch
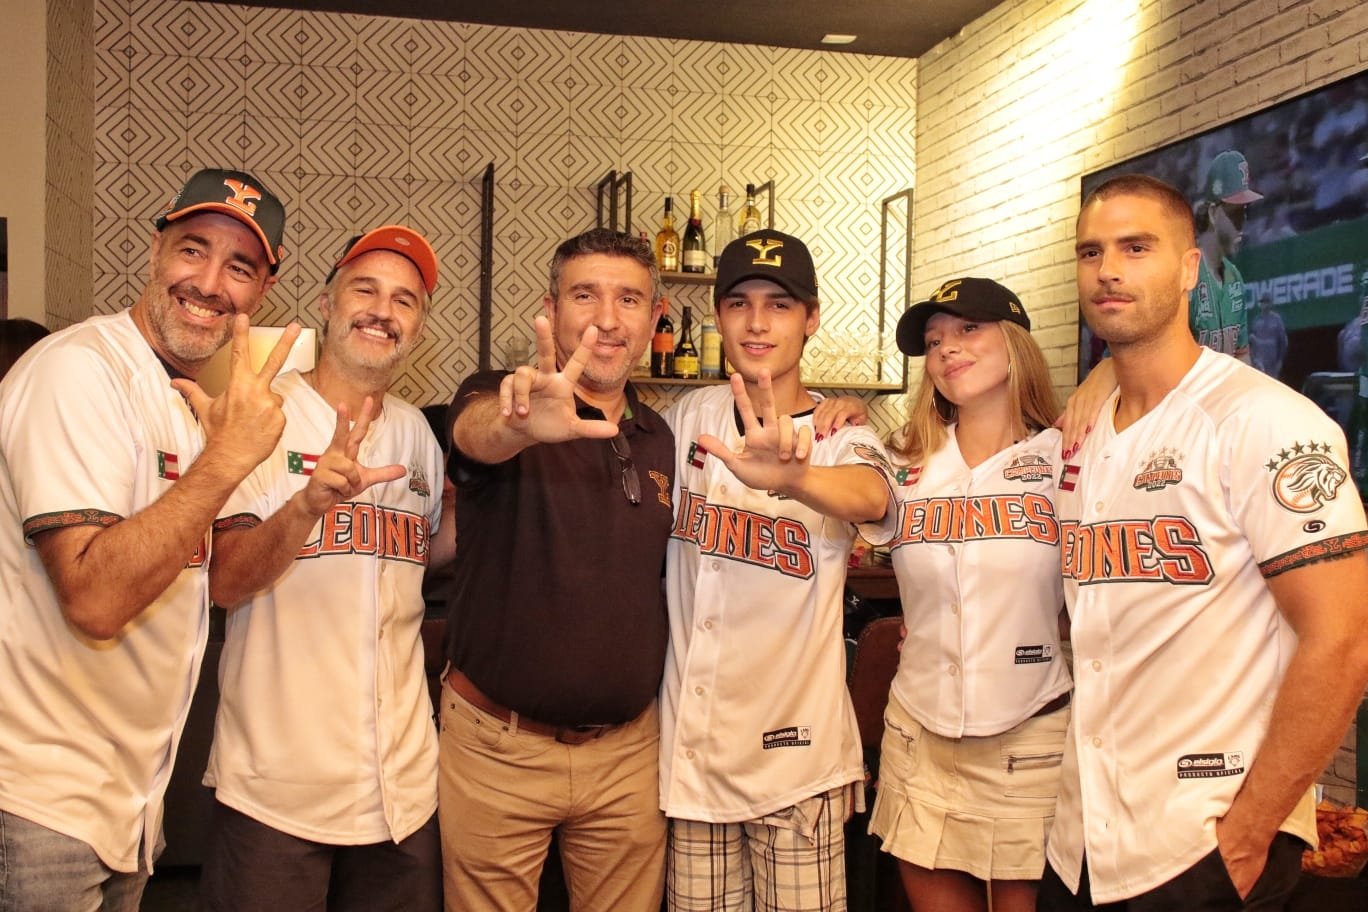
{"points": [[1305, 477]]}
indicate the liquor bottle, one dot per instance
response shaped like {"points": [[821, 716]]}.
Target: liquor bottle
{"points": [[710, 364], [749, 219], [724, 229], [685, 355], [667, 241], [643, 366], [662, 346], [695, 247]]}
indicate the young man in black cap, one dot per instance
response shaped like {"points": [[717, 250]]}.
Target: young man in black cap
{"points": [[760, 754], [113, 465], [327, 796]]}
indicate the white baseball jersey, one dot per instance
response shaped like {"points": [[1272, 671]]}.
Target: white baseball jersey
{"points": [[755, 715], [1168, 531], [976, 553], [324, 726], [91, 432]]}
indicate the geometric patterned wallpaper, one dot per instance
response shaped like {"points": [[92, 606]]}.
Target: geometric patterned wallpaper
{"points": [[355, 121]]}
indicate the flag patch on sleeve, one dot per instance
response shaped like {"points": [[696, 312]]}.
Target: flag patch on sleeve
{"points": [[300, 463], [168, 465]]}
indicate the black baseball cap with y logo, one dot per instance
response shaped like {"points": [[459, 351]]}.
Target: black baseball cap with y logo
{"points": [[970, 298], [234, 193], [767, 254]]}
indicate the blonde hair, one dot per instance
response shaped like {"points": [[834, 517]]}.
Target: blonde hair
{"points": [[1034, 404]]}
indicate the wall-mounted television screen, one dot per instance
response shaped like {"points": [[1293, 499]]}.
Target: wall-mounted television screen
{"points": [[1281, 203]]}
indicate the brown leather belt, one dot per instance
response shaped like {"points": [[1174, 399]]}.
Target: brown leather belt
{"points": [[1054, 705], [565, 734]]}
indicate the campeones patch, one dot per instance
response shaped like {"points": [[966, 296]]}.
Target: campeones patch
{"points": [[790, 736], [1210, 766]]}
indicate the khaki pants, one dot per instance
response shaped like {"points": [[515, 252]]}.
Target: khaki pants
{"points": [[501, 793]]}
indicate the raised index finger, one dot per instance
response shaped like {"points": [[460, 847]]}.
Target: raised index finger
{"points": [[358, 431], [276, 359], [575, 366], [743, 405]]}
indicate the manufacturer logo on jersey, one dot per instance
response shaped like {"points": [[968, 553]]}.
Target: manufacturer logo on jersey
{"points": [[958, 519], [300, 463], [907, 477], [1164, 549], [662, 482], [1160, 471], [791, 736], [1033, 655], [418, 482], [774, 543], [697, 455], [1069, 479], [1304, 477], [168, 465], [1027, 468], [1204, 301], [1210, 766]]}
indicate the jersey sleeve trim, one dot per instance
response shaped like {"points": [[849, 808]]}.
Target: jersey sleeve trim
{"points": [[237, 521], [1325, 549], [46, 522]]}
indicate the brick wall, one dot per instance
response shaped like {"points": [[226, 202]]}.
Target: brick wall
{"points": [[1025, 100]]}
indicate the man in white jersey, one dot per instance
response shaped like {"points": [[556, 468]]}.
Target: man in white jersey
{"points": [[759, 746], [325, 756], [108, 487], [1218, 590]]}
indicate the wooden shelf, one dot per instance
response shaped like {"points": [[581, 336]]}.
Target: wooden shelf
{"points": [[813, 384], [687, 278]]}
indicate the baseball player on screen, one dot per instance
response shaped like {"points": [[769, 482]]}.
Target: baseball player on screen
{"points": [[1215, 574], [1218, 306]]}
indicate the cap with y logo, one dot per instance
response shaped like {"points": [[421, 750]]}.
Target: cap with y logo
{"points": [[970, 298], [767, 254], [234, 193]]}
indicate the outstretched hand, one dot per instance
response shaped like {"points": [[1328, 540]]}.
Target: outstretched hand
{"points": [[338, 476], [539, 402], [773, 456], [243, 423]]}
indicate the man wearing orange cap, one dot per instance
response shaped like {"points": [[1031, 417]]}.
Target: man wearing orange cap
{"points": [[109, 482], [325, 756]]}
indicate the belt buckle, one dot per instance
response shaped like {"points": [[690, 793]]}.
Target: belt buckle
{"points": [[578, 734]]}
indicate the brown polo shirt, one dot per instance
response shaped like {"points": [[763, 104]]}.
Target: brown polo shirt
{"points": [[556, 609]]}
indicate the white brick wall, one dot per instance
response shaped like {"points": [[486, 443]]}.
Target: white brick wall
{"points": [[1025, 100]]}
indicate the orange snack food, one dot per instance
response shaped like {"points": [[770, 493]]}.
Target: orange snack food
{"points": [[1343, 849]]}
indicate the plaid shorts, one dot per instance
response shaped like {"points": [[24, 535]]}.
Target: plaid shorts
{"points": [[790, 861]]}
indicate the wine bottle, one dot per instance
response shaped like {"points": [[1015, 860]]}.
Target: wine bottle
{"points": [[685, 355], [695, 247], [667, 241], [724, 229], [749, 219], [662, 347], [710, 363]]}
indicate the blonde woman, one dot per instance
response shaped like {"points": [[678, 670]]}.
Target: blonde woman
{"points": [[974, 731]]}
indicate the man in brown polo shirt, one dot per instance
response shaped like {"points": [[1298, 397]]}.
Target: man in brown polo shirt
{"points": [[556, 637]]}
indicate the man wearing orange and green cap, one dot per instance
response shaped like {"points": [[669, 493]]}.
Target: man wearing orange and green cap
{"points": [[1217, 306], [109, 481]]}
